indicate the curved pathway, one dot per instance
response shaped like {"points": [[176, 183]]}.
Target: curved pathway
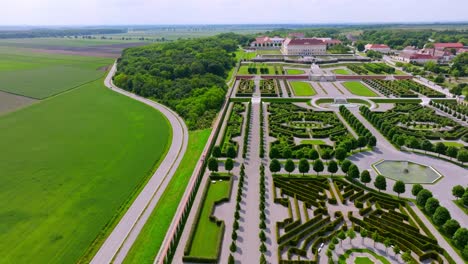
{"points": [[119, 242]]}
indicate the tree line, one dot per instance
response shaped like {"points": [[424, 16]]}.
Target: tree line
{"points": [[49, 33], [186, 75]]}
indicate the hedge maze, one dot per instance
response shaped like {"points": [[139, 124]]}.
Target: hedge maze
{"points": [[246, 88], [316, 216], [371, 68], [403, 88], [288, 122]]}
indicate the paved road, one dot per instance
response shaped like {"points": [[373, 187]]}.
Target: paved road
{"points": [[119, 242]]}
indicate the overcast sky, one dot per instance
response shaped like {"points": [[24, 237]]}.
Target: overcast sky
{"points": [[109, 12]]}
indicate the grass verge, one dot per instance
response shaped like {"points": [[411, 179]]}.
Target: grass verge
{"points": [[149, 241]]}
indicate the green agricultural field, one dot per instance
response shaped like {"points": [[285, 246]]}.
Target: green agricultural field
{"points": [[359, 89], [70, 165], [294, 72], [302, 88], [61, 42], [207, 234], [341, 71], [151, 237], [40, 75]]}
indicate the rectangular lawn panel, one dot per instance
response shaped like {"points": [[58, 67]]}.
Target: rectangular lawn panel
{"points": [[39, 75], [149, 241], [294, 71], [302, 88], [359, 89], [341, 71], [70, 166], [313, 142], [207, 234]]}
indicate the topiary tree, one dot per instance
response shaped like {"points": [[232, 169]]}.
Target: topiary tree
{"points": [[426, 145], [262, 236], [274, 152], [275, 166], [440, 148], [431, 205], [380, 183], [450, 227], [361, 142], [340, 153], [341, 236], [416, 189], [229, 165], [304, 166], [387, 243], [460, 237], [422, 197], [465, 198], [231, 259], [458, 191], [262, 259], [375, 237], [216, 151], [345, 165], [365, 177], [332, 167], [399, 187], [263, 248], [396, 250], [318, 166], [462, 156], [372, 141], [351, 234], [313, 154], [364, 234], [289, 166], [452, 152], [233, 247], [213, 164], [287, 153], [441, 215], [231, 152], [406, 256]]}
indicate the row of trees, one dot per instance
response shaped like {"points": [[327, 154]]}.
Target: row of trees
{"points": [[235, 225], [441, 217]]}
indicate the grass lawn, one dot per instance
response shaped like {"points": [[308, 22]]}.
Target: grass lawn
{"points": [[342, 258], [453, 144], [302, 88], [363, 260], [207, 234], [40, 75], [341, 71], [313, 142], [294, 71], [269, 52], [359, 89], [243, 70], [70, 166], [151, 237]]}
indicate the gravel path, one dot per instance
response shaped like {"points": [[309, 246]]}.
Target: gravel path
{"points": [[125, 233]]}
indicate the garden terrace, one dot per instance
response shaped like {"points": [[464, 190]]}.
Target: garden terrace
{"points": [[246, 88], [403, 88], [269, 87], [260, 68], [233, 128], [415, 126], [288, 121]]}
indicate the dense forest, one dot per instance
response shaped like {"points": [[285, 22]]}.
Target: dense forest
{"points": [[47, 33], [186, 75], [400, 38]]}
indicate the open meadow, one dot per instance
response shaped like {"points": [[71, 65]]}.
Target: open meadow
{"points": [[70, 165]]}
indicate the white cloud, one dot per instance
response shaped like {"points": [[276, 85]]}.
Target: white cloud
{"points": [[86, 12]]}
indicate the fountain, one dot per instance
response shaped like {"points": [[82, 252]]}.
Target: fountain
{"points": [[407, 171]]}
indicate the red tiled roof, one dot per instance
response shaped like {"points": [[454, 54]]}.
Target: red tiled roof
{"points": [[333, 41], [448, 45], [296, 34], [306, 41]]}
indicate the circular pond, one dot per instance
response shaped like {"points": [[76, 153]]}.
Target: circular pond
{"points": [[406, 171]]}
